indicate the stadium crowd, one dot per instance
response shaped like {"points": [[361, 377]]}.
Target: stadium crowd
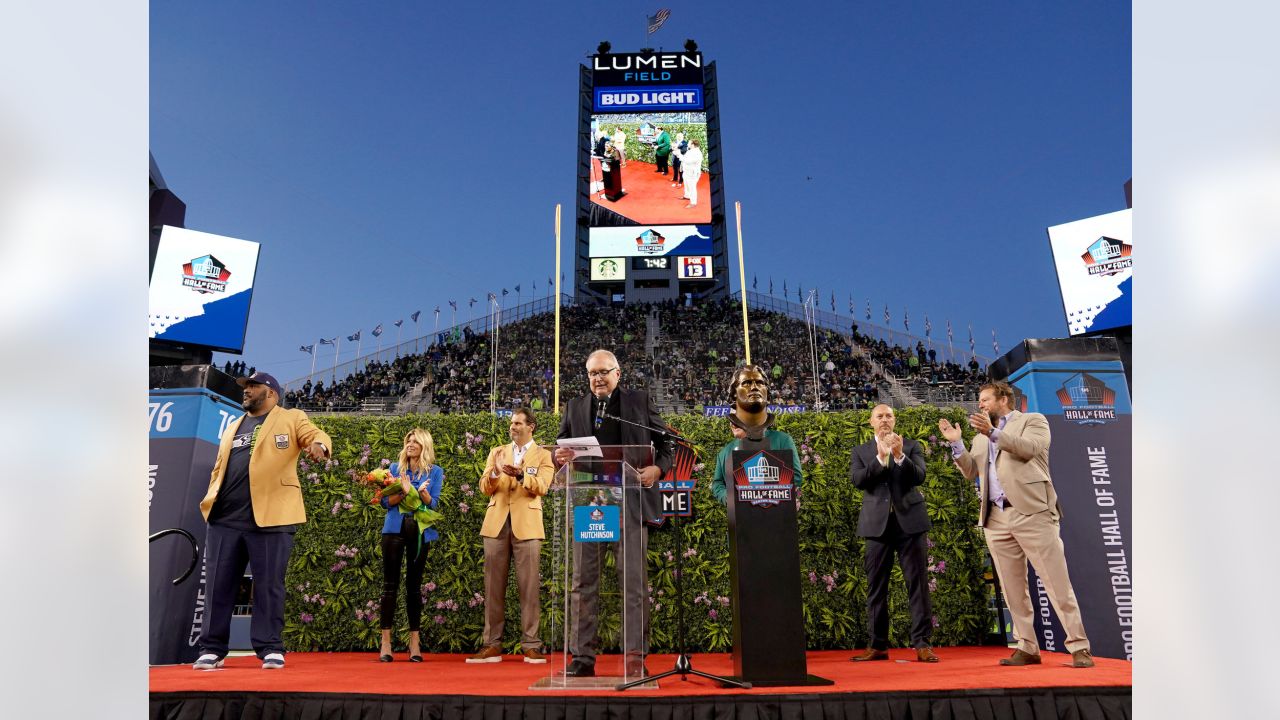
{"points": [[696, 349]]}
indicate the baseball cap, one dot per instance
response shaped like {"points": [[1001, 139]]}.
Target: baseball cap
{"points": [[261, 378]]}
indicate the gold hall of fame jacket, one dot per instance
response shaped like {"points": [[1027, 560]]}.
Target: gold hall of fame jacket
{"points": [[273, 468], [1022, 466], [520, 498]]}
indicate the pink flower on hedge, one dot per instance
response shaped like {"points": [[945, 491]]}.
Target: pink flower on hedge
{"points": [[439, 619], [936, 621], [464, 508], [430, 587], [712, 614], [942, 566], [306, 617]]}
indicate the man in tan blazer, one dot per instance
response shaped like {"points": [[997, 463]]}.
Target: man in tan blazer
{"points": [[253, 504], [1019, 515], [515, 478]]}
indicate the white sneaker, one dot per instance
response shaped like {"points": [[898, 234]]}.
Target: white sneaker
{"points": [[273, 661], [207, 661]]}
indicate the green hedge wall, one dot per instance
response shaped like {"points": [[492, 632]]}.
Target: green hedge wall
{"points": [[643, 152], [334, 578]]}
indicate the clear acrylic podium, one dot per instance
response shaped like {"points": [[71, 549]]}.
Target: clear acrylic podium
{"points": [[599, 602]]}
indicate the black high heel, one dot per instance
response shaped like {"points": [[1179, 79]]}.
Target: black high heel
{"points": [[385, 658], [415, 658]]}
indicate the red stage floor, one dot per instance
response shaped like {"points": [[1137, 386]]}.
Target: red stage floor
{"points": [[651, 199], [965, 668]]}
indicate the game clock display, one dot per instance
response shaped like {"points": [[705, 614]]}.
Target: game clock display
{"points": [[651, 263]]}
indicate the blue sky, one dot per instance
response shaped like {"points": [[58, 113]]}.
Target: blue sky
{"points": [[392, 159]]}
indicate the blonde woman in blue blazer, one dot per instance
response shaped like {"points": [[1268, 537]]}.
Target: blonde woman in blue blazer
{"points": [[400, 539]]}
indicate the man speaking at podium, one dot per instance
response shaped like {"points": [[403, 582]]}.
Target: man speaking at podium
{"points": [[887, 469], [594, 414]]}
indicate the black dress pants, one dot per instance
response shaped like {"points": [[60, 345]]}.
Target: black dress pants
{"points": [[913, 553], [395, 547]]}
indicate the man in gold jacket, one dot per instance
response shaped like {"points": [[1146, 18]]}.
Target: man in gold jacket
{"points": [[515, 478], [253, 504]]}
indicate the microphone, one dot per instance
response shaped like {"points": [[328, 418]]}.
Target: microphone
{"points": [[601, 403]]}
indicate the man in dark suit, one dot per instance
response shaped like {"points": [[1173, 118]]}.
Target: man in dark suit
{"points": [[893, 518], [593, 414]]}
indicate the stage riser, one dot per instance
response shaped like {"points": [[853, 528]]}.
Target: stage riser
{"points": [[1039, 704]]}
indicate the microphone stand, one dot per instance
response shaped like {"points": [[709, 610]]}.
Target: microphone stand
{"points": [[684, 664]]}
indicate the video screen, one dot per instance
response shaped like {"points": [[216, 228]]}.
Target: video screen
{"points": [[1094, 261], [201, 288], [649, 241], [649, 169]]}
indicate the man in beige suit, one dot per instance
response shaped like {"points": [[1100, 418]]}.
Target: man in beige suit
{"points": [[1019, 515], [515, 478], [253, 506]]}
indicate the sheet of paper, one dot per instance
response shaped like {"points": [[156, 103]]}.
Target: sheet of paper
{"points": [[582, 446]]}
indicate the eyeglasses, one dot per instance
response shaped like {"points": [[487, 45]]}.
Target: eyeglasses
{"points": [[600, 373]]}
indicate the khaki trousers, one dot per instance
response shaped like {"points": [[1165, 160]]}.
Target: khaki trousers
{"points": [[1013, 539], [498, 553]]}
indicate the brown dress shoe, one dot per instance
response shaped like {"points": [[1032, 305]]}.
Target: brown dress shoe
{"points": [[1081, 658], [487, 654], [871, 654], [533, 656], [1021, 658], [925, 654]]}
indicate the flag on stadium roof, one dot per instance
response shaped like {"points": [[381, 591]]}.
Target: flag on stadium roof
{"points": [[309, 349], [399, 322], [378, 330], [657, 19], [416, 313], [328, 342], [355, 337]]}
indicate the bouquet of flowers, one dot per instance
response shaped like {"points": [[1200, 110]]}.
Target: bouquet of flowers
{"points": [[412, 502]]}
